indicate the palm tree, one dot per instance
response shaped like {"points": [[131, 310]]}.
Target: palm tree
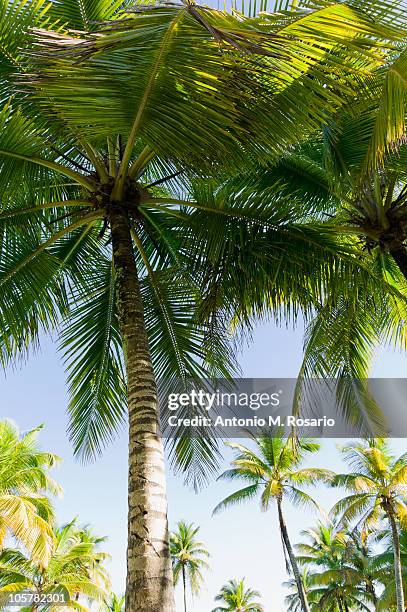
{"points": [[341, 568], [361, 557], [273, 471], [377, 490], [236, 596], [25, 509], [292, 600], [329, 590], [187, 561], [105, 131], [324, 544], [330, 596], [383, 563], [354, 170], [338, 595], [74, 570], [115, 603], [351, 178]]}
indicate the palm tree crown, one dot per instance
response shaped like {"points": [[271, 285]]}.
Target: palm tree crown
{"points": [[377, 487], [25, 510], [293, 601], [236, 596], [64, 174], [273, 470], [340, 568], [75, 568], [188, 557]]}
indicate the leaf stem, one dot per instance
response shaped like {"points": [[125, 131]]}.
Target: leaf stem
{"points": [[121, 177], [94, 157], [51, 165], [70, 228], [111, 152], [138, 166], [6, 214]]}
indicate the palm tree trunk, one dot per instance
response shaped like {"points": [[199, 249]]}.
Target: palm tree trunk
{"points": [[371, 591], [184, 583], [149, 585], [397, 560], [293, 560]]}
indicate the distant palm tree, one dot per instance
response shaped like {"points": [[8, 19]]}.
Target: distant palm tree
{"points": [[335, 579], [237, 597], [115, 603], [293, 601], [337, 596], [74, 570], [25, 510], [325, 544], [330, 597], [273, 471], [384, 563], [377, 489], [361, 558], [186, 554]]}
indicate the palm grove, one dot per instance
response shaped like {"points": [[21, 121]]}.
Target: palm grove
{"points": [[143, 211], [351, 559]]}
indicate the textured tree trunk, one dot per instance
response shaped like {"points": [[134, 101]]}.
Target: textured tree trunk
{"points": [[293, 560], [397, 561], [184, 583], [149, 586]]}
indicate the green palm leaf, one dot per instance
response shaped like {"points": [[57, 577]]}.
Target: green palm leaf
{"points": [[91, 343]]}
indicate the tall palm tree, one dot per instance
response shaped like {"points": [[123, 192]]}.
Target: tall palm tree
{"points": [[236, 596], [188, 557], [25, 509], [377, 487], [107, 126], [273, 471], [75, 569]]}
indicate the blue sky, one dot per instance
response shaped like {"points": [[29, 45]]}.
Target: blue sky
{"points": [[242, 541]]}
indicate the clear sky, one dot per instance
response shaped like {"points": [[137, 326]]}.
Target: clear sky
{"points": [[242, 541]]}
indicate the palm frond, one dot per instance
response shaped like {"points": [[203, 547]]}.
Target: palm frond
{"points": [[91, 343], [238, 497]]}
